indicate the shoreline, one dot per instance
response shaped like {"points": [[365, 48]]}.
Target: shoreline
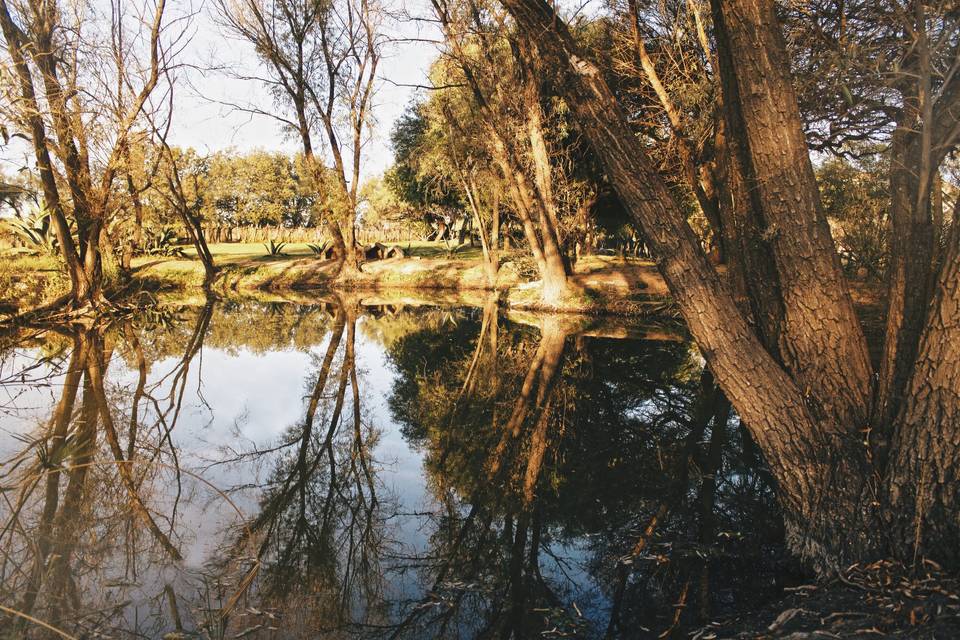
{"points": [[600, 286]]}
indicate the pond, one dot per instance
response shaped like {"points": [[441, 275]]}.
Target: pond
{"points": [[340, 468]]}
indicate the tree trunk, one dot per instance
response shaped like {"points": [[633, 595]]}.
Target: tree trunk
{"points": [[924, 468], [195, 228], [821, 342], [908, 274], [809, 452], [529, 202], [751, 267], [519, 194], [555, 270], [351, 265], [491, 258], [38, 135]]}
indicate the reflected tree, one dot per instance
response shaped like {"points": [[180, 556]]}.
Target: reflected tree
{"points": [[320, 528], [85, 504], [576, 484], [525, 437]]}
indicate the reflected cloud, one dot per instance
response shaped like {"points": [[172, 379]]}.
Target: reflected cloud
{"points": [[344, 468]]}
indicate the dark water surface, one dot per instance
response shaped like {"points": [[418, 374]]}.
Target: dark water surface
{"points": [[335, 470]]}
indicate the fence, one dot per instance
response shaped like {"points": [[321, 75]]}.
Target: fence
{"points": [[264, 234], [313, 235]]}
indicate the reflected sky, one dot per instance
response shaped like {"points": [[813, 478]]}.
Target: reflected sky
{"points": [[460, 505]]}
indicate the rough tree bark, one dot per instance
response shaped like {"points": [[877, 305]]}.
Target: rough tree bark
{"points": [[805, 407], [923, 479], [821, 342], [925, 133]]}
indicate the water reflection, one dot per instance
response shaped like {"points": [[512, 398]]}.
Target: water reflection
{"points": [[340, 469]]}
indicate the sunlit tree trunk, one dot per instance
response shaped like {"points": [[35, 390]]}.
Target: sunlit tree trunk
{"points": [[15, 41], [806, 397], [555, 270], [533, 200]]}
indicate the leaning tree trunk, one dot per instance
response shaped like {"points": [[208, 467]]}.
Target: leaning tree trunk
{"points": [[751, 267], [556, 271], [195, 228], [908, 289], [529, 201], [38, 135], [808, 449]]}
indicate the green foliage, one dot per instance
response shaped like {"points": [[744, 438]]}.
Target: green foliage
{"points": [[386, 215], [412, 180], [229, 189], [317, 249], [855, 197], [259, 188], [275, 249], [444, 159], [36, 232], [164, 243]]}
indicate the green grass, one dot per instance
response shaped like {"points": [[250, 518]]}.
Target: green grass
{"points": [[233, 252], [239, 251], [423, 249]]}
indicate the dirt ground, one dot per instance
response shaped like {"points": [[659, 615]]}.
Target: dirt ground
{"points": [[880, 600]]}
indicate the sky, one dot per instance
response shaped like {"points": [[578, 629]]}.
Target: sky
{"points": [[206, 124]]}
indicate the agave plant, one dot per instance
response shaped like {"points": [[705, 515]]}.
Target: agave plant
{"points": [[275, 248], [318, 249], [164, 243], [35, 232]]}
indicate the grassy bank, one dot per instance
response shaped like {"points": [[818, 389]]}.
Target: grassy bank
{"points": [[600, 285], [27, 281]]}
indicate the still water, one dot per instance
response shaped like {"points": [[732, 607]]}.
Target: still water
{"points": [[343, 469]]}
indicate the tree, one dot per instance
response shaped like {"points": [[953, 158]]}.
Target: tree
{"points": [[409, 180], [385, 215], [664, 68], [513, 126], [85, 66], [805, 393], [452, 166], [184, 189], [322, 60], [889, 74]]}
